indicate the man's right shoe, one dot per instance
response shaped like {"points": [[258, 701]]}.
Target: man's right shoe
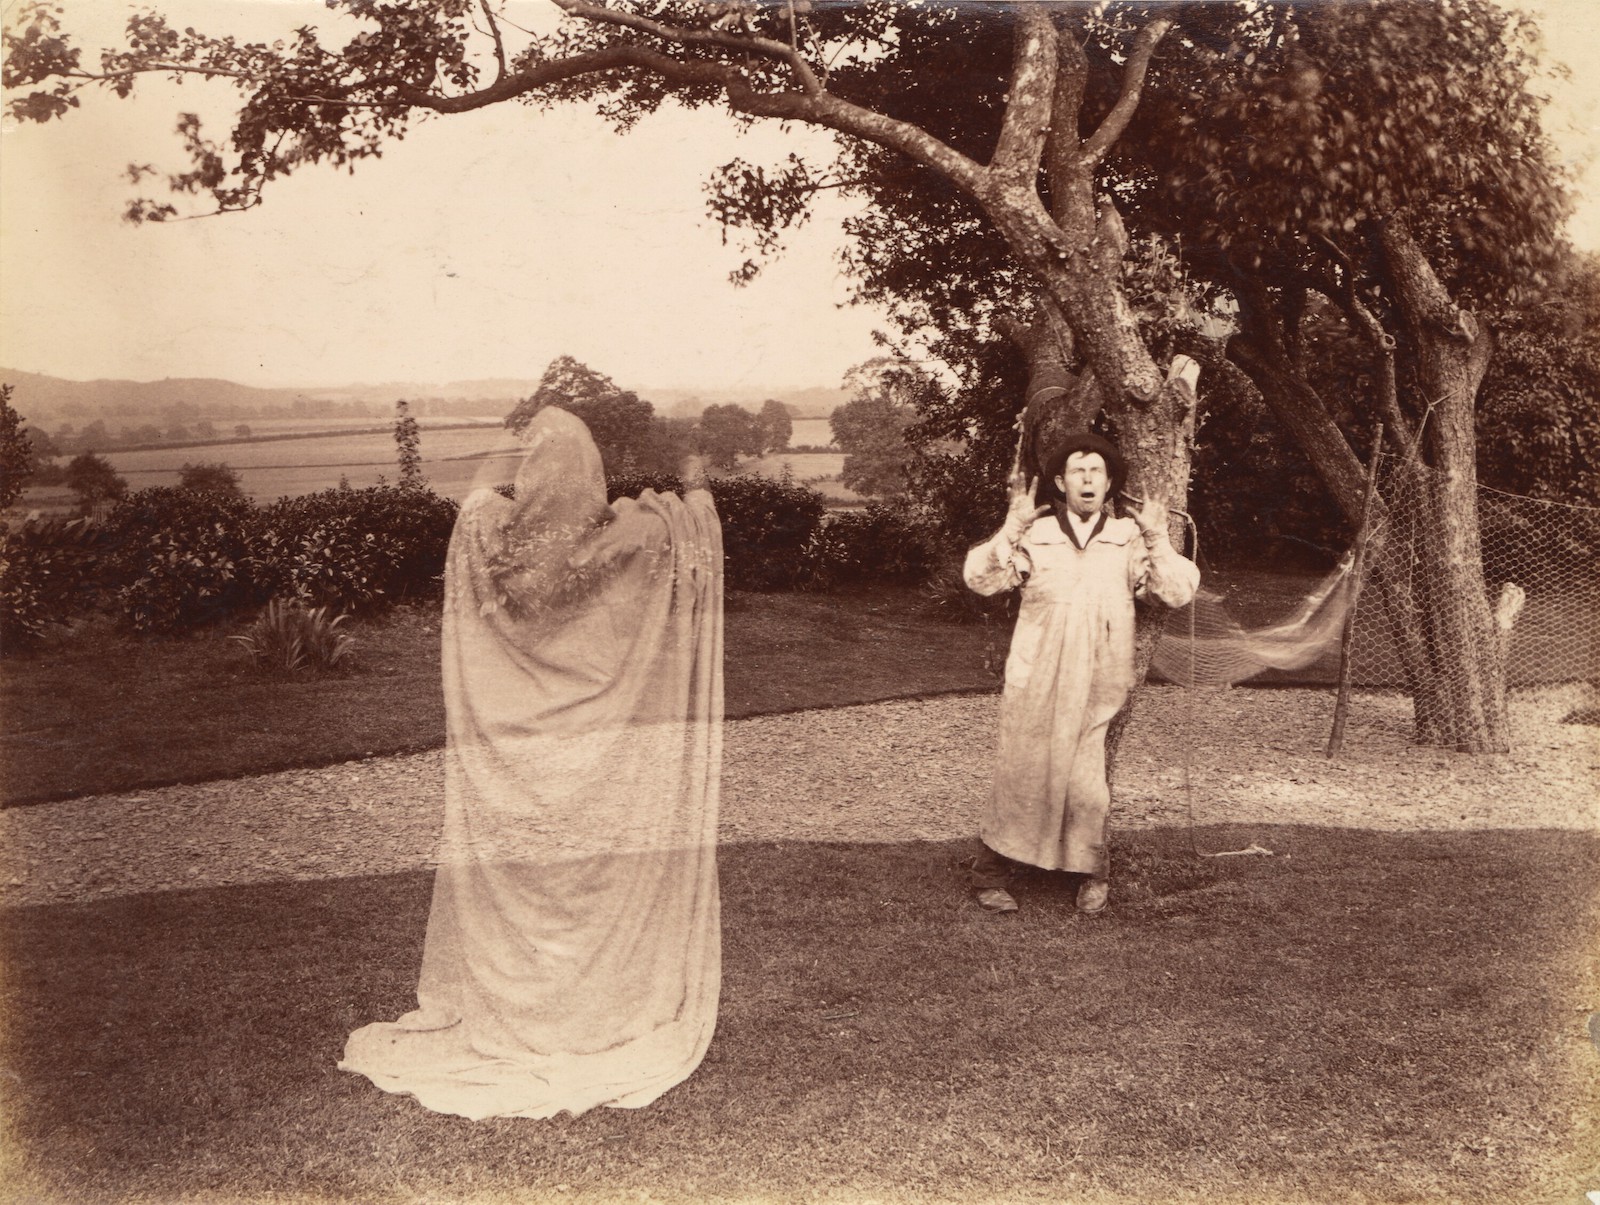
{"points": [[996, 899]]}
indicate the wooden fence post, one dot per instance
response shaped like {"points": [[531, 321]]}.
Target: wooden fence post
{"points": [[1341, 706]]}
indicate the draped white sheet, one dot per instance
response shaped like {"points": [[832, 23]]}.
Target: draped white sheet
{"points": [[572, 955]]}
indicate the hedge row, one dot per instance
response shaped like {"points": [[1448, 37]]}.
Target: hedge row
{"points": [[170, 559]]}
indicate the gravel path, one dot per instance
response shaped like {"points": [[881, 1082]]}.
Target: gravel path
{"points": [[897, 771]]}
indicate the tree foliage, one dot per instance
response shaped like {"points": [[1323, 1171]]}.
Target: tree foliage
{"points": [[95, 482], [777, 425], [871, 428], [16, 451], [727, 432], [218, 478], [1539, 424], [618, 419], [408, 447]]}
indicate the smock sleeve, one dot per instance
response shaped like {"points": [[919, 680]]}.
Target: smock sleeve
{"points": [[1158, 570], [998, 564]]}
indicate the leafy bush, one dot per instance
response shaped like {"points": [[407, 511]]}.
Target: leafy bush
{"points": [[289, 637], [767, 526], [179, 558], [631, 485], [47, 575], [328, 561], [182, 557], [881, 543], [395, 540], [947, 590]]}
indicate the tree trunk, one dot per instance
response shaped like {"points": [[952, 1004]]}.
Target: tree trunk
{"points": [[1462, 703], [1427, 566]]}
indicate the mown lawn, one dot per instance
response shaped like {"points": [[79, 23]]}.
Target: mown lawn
{"points": [[1364, 1018], [101, 712]]}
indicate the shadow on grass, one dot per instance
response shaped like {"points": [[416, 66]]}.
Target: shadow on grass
{"points": [[1363, 1017]]}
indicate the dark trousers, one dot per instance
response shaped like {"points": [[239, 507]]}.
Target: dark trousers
{"points": [[990, 869]]}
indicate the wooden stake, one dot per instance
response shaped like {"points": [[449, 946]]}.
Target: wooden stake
{"points": [[1341, 706]]}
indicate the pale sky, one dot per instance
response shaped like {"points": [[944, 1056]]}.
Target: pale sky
{"points": [[480, 246]]}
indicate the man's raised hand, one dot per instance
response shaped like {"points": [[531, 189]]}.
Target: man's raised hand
{"points": [[1022, 506], [1150, 514]]}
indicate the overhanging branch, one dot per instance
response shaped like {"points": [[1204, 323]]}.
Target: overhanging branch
{"points": [[603, 15], [1133, 76]]}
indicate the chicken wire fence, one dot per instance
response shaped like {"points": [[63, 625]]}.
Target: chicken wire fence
{"points": [[1416, 638]]}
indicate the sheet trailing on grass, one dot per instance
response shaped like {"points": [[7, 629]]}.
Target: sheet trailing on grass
{"points": [[572, 955]]}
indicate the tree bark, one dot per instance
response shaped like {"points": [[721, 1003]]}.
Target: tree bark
{"points": [[1428, 566], [1463, 704]]}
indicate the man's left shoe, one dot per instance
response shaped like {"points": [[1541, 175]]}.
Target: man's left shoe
{"points": [[1092, 896], [996, 899]]}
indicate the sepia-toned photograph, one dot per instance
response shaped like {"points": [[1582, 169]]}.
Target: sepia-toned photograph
{"points": [[757, 601]]}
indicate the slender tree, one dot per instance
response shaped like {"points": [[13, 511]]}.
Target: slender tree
{"points": [[408, 450], [16, 451]]}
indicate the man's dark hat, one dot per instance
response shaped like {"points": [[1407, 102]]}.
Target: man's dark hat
{"points": [[1084, 441]]}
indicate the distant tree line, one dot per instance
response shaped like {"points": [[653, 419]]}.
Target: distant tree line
{"points": [[633, 438]]}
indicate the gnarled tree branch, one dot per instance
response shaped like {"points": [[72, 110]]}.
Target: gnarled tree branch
{"points": [[766, 47], [1111, 126]]}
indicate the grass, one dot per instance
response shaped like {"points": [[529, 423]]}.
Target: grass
{"points": [[1364, 1018], [99, 712]]}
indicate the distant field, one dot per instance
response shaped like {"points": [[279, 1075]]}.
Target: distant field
{"points": [[292, 426], [454, 461], [819, 470], [811, 433], [275, 468]]}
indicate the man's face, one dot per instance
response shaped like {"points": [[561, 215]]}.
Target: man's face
{"points": [[1083, 482]]}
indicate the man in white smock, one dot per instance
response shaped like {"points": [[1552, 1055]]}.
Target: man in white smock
{"points": [[1071, 662]]}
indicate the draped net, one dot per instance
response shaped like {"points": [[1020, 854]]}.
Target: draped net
{"points": [[1204, 645], [572, 955]]}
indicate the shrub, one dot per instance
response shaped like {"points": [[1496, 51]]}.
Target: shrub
{"points": [[95, 482], [394, 541], [289, 637], [179, 558], [767, 526], [879, 543], [47, 576], [327, 561], [947, 591], [631, 485]]}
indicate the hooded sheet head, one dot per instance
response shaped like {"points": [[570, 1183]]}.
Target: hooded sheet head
{"points": [[538, 539]]}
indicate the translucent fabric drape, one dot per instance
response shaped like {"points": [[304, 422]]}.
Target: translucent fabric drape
{"points": [[572, 956]]}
